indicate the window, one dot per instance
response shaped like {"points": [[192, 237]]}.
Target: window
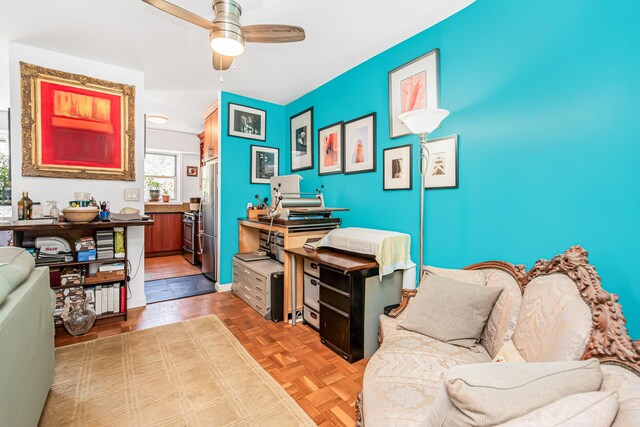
{"points": [[160, 169]]}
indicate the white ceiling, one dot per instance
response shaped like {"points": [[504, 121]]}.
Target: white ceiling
{"points": [[176, 57]]}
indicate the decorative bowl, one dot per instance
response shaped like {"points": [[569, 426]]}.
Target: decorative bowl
{"points": [[80, 214]]}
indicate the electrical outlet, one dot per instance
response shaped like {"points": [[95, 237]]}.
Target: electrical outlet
{"points": [[131, 194]]}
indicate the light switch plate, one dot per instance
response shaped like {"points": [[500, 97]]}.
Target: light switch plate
{"points": [[131, 194]]}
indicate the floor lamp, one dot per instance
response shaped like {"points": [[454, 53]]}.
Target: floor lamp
{"points": [[422, 122]]}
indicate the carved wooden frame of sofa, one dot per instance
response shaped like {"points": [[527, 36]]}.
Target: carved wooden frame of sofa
{"points": [[607, 340]]}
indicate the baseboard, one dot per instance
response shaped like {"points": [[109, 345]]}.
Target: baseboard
{"points": [[138, 302], [223, 287]]}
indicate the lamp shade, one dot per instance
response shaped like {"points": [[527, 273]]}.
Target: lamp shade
{"points": [[425, 120]]}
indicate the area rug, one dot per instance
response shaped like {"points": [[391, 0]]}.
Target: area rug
{"points": [[192, 373], [177, 287]]}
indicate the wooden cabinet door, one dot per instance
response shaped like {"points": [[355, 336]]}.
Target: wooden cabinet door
{"points": [[148, 235], [206, 146], [215, 140], [201, 136]]}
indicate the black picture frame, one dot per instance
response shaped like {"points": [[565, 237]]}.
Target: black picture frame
{"points": [[340, 143], [253, 167], [232, 108], [433, 83], [293, 139], [373, 116], [384, 167]]}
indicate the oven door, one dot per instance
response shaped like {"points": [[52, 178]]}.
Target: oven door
{"points": [[189, 242]]}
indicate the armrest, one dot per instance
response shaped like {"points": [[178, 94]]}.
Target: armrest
{"points": [[407, 294]]}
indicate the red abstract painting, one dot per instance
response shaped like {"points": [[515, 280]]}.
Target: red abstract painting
{"points": [[80, 127]]}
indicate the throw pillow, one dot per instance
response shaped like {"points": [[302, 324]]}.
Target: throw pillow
{"points": [[593, 409], [509, 353], [451, 311], [492, 393]]}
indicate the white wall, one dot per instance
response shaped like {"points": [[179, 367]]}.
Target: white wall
{"points": [[4, 74], [187, 146], [42, 189]]}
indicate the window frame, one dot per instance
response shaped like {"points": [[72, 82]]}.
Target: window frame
{"points": [[175, 177]]}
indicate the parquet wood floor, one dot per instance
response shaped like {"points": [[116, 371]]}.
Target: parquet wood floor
{"points": [[322, 383], [166, 267]]}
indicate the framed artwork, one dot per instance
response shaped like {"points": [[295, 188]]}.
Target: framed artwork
{"points": [[331, 149], [360, 144], [301, 126], [442, 170], [192, 171], [75, 126], [397, 168], [247, 122], [413, 86], [264, 164]]}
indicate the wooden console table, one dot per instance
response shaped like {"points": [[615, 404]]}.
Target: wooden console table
{"points": [[249, 240]]}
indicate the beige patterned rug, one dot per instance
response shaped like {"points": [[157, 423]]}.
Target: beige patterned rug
{"points": [[185, 374]]}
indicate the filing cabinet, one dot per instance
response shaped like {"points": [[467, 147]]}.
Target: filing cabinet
{"points": [[260, 284]]}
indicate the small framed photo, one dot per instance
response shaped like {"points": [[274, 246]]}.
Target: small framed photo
{"points": [[330, 149], [192, 171], [397, 168], [413, 86], [442, 170], [302, 140], [247, 122], [264, 164], [360, 144]]}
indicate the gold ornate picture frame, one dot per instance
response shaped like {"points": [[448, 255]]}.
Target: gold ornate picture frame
{"points": [[75, 126]]}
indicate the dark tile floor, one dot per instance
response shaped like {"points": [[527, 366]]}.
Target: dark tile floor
{"points": [[177, 287]]}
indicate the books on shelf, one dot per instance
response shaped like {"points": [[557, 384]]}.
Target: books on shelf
{"points": [[116, 266], [109, 298]]}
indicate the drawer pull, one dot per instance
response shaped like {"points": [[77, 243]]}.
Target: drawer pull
{"points": [[258, 279], [314, 265], [247, 271], [336, 290], [246, 288], [258, 288], [313, 315], [258, 297], [258, 307], [314, 282], [335, 310], [247, 296]]}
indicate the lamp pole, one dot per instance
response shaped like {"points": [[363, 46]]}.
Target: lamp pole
{"points": [[424, 162]]}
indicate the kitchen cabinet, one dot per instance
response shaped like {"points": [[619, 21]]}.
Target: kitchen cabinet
{"points": [[211, 141], [165, 236]]}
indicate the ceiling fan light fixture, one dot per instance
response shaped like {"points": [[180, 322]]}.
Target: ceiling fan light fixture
{"points": [[227, 43]]}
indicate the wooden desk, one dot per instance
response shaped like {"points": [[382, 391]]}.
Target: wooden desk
{"points": [[249, 240]]}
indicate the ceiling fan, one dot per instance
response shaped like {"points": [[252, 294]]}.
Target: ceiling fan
{"points": [[226, 35]]}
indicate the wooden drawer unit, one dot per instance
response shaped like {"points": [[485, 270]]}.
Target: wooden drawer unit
{"points": [[311, 268], [311, 292], [260, 285]]}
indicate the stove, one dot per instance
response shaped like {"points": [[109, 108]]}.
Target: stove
{"points": [[191, 247]]}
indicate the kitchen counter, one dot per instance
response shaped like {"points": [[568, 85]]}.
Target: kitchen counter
{"points": [[169, 207]]}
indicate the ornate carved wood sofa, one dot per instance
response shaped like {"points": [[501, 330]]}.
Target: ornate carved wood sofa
{"points": [[557, 311]]}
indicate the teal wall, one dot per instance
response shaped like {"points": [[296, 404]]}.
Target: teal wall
{"points": [[236, 190], [544, 96]]}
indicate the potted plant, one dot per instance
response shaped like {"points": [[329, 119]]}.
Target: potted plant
{"points": [[165, 195], [154, 189]]}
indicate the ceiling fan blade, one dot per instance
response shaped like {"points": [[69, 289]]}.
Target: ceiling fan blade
{"points": [[273, 33], [221, 62], [181, 13]]}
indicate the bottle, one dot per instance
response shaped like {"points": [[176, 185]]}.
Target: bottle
{"points": [[36, 211], [24, 206]]}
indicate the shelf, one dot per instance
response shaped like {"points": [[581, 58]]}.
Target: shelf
{"points": [[74, 225], [99, 282], [109, 315], [75, 263]]}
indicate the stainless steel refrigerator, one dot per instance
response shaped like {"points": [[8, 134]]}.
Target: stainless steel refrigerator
{"points": [[208, 233]]}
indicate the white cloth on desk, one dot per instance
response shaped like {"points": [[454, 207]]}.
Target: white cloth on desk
{"points": [[391, 249]]}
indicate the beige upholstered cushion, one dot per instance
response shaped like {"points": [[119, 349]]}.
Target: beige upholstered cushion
{"points": [[593, 409], [502, 321], [403, 376], [451, 311], [508, 353], [15, 266], [554, 323], [626, 385], [493, 393]]}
